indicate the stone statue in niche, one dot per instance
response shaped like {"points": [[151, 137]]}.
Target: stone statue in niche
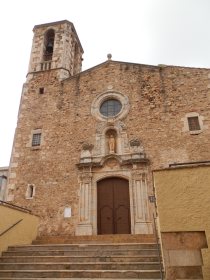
{"points": [[111, 141], [112, 144]]}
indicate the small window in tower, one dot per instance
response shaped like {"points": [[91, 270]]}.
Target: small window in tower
{"points": [[49, 45], [36, 139], [41, 90], [30, 192], [193, 123]]}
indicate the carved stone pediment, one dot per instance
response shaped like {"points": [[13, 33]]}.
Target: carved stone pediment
{"points": [[111, 160], [112, 143], [112, 163]]}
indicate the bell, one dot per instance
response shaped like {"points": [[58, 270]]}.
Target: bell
{"points": [[49, 47]]}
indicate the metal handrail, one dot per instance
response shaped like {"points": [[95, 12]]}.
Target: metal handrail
{"points": [[158, 247], [2, 233], [15, 206]]}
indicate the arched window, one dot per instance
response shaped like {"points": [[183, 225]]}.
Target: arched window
{"points": [[49, 45], [76, 58]]}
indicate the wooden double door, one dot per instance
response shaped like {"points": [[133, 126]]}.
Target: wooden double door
{"points": [[113, 215]]}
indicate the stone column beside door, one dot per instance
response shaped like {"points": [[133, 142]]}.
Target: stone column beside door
{"points": [[84, 226], [142, 221]]}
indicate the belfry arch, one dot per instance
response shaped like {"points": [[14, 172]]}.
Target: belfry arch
{"points": [[49, 39]]}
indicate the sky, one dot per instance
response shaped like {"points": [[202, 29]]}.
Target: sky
{"points": [[171, 32]]}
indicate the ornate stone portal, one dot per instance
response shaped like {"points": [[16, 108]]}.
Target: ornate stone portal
{"points": [[113, 155]]}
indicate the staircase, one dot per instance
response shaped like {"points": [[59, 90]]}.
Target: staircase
{"points": [[118, 256]]}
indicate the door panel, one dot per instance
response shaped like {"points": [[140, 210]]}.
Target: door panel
{"points": [[113, 206], [107, 218], [122, 224]]}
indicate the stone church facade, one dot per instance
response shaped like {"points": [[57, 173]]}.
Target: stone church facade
{"points": [[86, 142]]}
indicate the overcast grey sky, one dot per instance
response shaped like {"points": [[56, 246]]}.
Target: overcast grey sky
{"points": [[172, 32]]}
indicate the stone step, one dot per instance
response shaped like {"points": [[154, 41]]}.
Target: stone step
{"points": [[56, 259], [92, 257], [71, 247], [75, 278], [116, 238], [81, 266], [98, 253], [123, 274]]}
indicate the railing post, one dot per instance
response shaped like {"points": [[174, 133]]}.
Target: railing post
{"points": [[158, 248]]}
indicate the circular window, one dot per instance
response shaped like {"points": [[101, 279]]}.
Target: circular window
{"points": [[110, 107]]}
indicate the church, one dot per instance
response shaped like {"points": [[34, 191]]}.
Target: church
{"points": [[87, 142]]}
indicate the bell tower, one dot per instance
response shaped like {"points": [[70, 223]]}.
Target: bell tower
{"points": [[56, 46]]}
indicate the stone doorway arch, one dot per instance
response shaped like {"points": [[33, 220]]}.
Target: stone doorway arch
{"points": [[140, 221]]}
